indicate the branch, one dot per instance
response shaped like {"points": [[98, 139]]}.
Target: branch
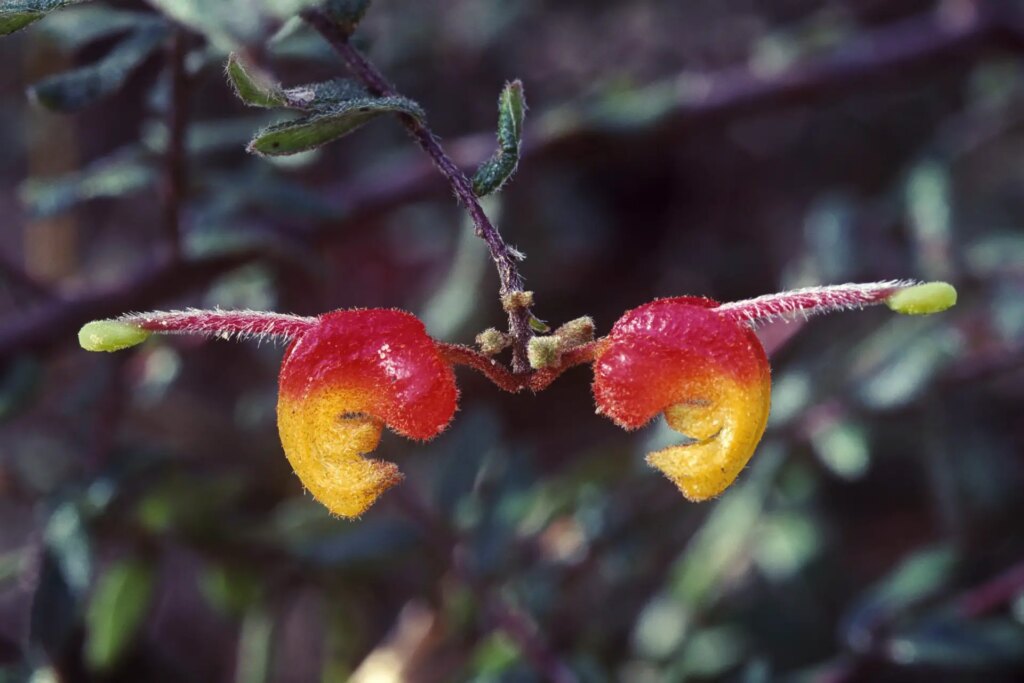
{"points": [[504, 257], [173, 189], [58, 322], [535, 381], [890, 55]]}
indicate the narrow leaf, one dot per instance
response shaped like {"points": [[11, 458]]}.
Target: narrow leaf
{"points": [[75, 27], [325, 94], [116, 612], [253, 87], [79, 88], [496, 171], [17, 14], [310, 132], [114, 176]]}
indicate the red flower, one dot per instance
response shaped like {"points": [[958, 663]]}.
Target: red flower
{"points": [[340, 383], [706, 372]]}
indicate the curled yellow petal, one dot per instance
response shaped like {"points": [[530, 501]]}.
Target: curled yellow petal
{"points": [[325, 444], [727, 423]]}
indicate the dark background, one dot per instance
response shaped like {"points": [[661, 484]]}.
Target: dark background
{"points": [[150, 528]]}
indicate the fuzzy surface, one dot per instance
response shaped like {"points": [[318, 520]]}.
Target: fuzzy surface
{"points": [[340, 382], [706, 372]]}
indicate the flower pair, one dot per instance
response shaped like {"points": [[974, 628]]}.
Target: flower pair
{"points": [[348, 374]]}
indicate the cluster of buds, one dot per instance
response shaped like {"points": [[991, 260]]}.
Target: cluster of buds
{"points": [[348, 374]]}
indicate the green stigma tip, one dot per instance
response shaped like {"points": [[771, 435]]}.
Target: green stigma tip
{"points": [[931, 297], [110, 335]]}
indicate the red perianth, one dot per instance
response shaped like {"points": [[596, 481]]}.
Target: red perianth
{"points": [[383, 355], [656, 352]]}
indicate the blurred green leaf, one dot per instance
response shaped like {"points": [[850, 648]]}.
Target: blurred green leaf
{"points": [[916, 578], [64, 576], [255, 647], [74, 90], [118, 175], [17, 14], [230, 590], [327, 125], [253, 87], [959, 644], [116, 612], [496, 171], [76, 27], [230, 24]]}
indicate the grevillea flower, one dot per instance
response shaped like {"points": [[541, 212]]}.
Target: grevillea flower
{"points": [[700, 364], [709, 376], [345, 375], [348, 374], [340, 383]]}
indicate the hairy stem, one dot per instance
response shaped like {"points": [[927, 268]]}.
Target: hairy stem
{"points": [[504, 257], [535, 381], [224, 324], [811, 300]]}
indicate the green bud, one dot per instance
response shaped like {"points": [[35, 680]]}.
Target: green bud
{"points": [[544, 352], [931, 297], [576, 332], [110, 335]]}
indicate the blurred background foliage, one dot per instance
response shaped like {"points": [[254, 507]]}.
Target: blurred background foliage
{"points": [[151, 529]]}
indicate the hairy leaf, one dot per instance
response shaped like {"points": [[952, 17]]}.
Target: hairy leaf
{"points": [[252, 86], [79, 88], [17, 14], [310, 132], [116, 611], [496, 171]]}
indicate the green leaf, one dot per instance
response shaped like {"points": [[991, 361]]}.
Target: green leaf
{"points": [[17, 14], [114, 176], [79, 88], [325, 94], [75, 27], [253, 87], [496, 171], [116, 612], [326, 125], [348, 13], [230, 24]]}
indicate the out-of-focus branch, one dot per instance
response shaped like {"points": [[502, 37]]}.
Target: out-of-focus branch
{"points": [[173, 189], [505, 258], [59, 321], [885, 56]]}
